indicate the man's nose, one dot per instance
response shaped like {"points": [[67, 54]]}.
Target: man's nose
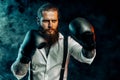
{"points": [[50, 24]]}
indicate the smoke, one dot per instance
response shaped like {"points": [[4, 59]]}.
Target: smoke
{"points": [[14, 23]]}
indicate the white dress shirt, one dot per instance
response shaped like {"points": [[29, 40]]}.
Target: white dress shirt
{"points": [[49, 67]]}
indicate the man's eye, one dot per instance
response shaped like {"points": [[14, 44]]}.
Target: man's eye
{"points": [[53, 21], [45, 20]]}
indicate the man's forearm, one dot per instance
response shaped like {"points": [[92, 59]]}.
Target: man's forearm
{"points": [[19, 69]]}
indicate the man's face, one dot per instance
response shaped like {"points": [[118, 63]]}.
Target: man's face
{"points": [[49, 22]]}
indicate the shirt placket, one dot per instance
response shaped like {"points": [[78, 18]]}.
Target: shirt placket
{"points": [[46, 71]]}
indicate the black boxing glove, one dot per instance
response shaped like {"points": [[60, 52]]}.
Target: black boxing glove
{"points": [[33, 39], [83, 32]]}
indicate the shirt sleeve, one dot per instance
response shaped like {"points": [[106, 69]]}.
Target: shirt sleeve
{"points": [[75, 49]]}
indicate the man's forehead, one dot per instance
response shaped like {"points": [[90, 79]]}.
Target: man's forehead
{"points": [[49, 15], [50, 12]]}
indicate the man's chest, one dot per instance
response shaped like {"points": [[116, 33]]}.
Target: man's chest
{"points": [[54, 57]]}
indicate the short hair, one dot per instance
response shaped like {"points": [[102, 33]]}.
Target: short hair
{"points": [[47, 7]]}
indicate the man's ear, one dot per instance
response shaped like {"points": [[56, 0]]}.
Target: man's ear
{"points": [[38, 20]]}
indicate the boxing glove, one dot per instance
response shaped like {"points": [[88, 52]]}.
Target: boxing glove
{"points": [[83, 32], [33, 39]]}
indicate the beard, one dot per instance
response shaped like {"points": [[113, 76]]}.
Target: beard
{"points": [[50, 38]]}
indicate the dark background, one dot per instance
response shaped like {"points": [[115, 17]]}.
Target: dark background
{"points": [[18, 16]]}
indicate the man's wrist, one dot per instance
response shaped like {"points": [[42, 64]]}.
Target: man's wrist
{"points": [[88, 53]]}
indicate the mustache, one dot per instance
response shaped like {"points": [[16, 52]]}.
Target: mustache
{"points": [[49, 29]]}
